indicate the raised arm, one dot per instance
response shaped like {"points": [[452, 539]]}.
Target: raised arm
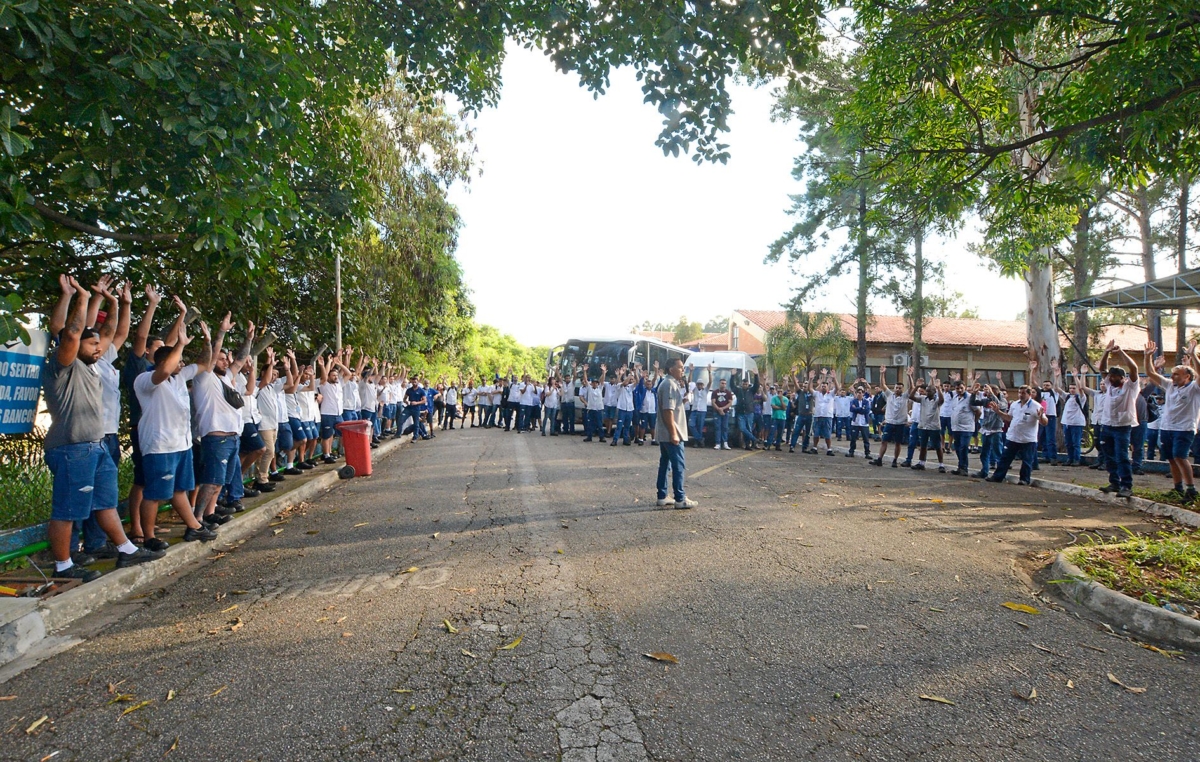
{"points": [[164, 369], [101, 288], [58, 316], [142, 335], [243, 353], [68, 343], [108, 331], [1151, 373]]}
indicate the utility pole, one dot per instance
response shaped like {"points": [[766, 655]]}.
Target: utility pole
{"points": [[337, 285]]}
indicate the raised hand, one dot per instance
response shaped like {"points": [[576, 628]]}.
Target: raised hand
{"points": [[103, 285], [152, 294], [127, 293], [204, 330], [75, 285], [64, 283], [182, 334], [1151, 348], [226, 322]]}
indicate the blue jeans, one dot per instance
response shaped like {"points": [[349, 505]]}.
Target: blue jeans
{"points": [[865, 433], [722, 421], [914, 437], [1116, 456], [593, 423], [624, 427], [1048, 439], [566, 417], [746, 426], [414, 412], [989, 451], [962, 448], [1137, 441], [550, 416], [671, 456], [1026, 451], [841, 425], [696, 425], [801, 428], [1074, 438]]}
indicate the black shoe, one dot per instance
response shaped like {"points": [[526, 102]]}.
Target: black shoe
{"points": [[981, 475], [79, 558], [203, 534], [1023, 483], [1109, 488], [217, 519], [107, 550], [236, 507], [587, 439], [850, 455], [1095, 466], [155, 545], [791, 449], [614, 443], [139, 556], [278, 477], [264, 487], [918, 466], [1124, 492], [300, 468], [830, 453], [601, 439], [894, 463], [329, 459], [77, 572], [1190, 496], [224, 509], [993, 480], [777, 449], [1138, 472], [627, 443]]}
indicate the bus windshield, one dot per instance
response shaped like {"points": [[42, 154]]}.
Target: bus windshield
{"points": [[593, 354]]}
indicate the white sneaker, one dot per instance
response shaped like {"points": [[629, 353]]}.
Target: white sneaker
{"points": [[725, 446], [664, 501], [718, 447], [685, 503]]}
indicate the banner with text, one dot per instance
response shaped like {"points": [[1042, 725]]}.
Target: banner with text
{"points": [[21, 382]]}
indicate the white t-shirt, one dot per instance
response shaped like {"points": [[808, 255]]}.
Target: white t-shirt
{"points": [[368, 396], [450, 396], [823, 404], [625, 397], [110, 390], [1024, 425], [897, 408], [166, 424], [213, 413], [530, 394], [292, 401], [611, 393], [1181, 407], [270, 409], [469, 395], [593, 399], [841, 406], [650, 402], [700, 400], [1122, 403], [551, 400], [1073, 411], [250, 412], [514, 392], [946, 410], [1051, 400], [331, 399], [309, 408], [349, 394]]}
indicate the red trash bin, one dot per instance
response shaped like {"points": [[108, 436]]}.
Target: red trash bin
{"points": [[356, 441]]}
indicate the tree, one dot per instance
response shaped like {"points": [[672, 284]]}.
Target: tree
{"points": [[807, 340], [719, 324], [685, 331]]}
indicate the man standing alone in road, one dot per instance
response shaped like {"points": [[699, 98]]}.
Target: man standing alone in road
{"points": [[670, 429]]}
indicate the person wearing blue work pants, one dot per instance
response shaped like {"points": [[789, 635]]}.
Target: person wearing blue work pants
{"points": [[722, 428], [914, 441], [414, 412], [1013, 450], [1116, 457], [1074, 441], [800, 431], [1048, 439], [671, 456], [990, 448], [962, 448], [696, 426], [593, 424], [1137, 443], [624, 429], [746, 427]]}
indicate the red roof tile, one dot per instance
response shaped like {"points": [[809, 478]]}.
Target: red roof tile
{"points": [[894, 329]]}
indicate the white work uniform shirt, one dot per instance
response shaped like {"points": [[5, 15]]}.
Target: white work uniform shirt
{"points": [[1024, 425], [166, 424], [1181, 408], [1122, 403], [823, 404]]}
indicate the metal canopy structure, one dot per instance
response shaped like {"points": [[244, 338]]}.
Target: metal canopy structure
{"points": [[1181, 290]]}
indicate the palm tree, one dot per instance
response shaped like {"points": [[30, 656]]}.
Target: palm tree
{"points": [[806, 340]]}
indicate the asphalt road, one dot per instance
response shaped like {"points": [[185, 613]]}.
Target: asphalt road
{"points": [[809, 601]]}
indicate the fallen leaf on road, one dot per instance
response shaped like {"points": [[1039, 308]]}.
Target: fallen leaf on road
{"points": [[1023, 608], [940, 611], [860, 627], [239, 592], [449, 627], [559, 551], [829, 494], [347, 634], [217, 691], [935, 500], [231, 608], [401, 690], [276, 531], [1113, 679], [1163, 651], [137, 706], [121, 698], [311, 531], [1022, 624], [360, 524], [236, 625], [513, 644], [662, 656], [340, 620], [1043, 648], [174, 746], [171, 695], [8, 698], [1032, 695], [437, 535], [1094, 648], [1070, 683], [823, 481], [36, 724], [465, 652], [938, 699], [410, 570], [323, 619]]}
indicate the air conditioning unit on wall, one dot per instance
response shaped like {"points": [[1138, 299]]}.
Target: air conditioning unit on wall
{"points": [[902, 360]]}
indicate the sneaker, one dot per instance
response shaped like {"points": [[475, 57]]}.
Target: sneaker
{"points": [[830, 453], [587, 439], [1124, 492], [264, 487], [718, 447], [79, 558], [1138, 471], [849, 455], [76, 572], [686, 503], [614, 443], [139, 556], [727, 447], [202, 533], [225, 509], [791, 449], [879, 462], [918, 466], [155, 545], [941, 469], [980, 475], [894, 463], [276, 477], [602, 440], [217, 518], [1190, 495], [958, 472], [811, 451], [663, 501]]}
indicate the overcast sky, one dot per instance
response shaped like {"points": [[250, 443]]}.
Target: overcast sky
{"points": [[579, 226]]}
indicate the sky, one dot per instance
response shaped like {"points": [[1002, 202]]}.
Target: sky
{"points": [[578, 225]]}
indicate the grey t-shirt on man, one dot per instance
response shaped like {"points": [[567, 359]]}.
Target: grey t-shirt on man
{"points": [[74, 397], [670, 397]]}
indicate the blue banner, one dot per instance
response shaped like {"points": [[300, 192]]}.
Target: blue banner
{"points": [[21, 382]]}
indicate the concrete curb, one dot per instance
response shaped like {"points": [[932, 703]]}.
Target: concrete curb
{"points": [[25, 622], [1128, 614], [1174, 512]]}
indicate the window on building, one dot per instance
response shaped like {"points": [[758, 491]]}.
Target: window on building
{"points": [[734, 342]]}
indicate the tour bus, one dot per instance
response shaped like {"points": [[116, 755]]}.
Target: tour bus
{"points": [[731, 367], [615, 352]]}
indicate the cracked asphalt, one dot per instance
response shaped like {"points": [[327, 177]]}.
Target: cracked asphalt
{"points": [[491, 596]]}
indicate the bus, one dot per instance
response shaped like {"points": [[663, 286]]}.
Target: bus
{"points": [[615, 352]]}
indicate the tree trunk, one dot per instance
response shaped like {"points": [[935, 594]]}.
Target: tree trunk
{"points": [[1181, 338], [1153, 317], [918, 303], [1081, 325], [864, 283], [1040, 326]]}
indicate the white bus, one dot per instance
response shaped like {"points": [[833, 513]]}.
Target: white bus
{"points": [[615, 352]]}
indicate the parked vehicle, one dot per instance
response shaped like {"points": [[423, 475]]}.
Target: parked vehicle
{"points": [[614, 352], [731, 367]]}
